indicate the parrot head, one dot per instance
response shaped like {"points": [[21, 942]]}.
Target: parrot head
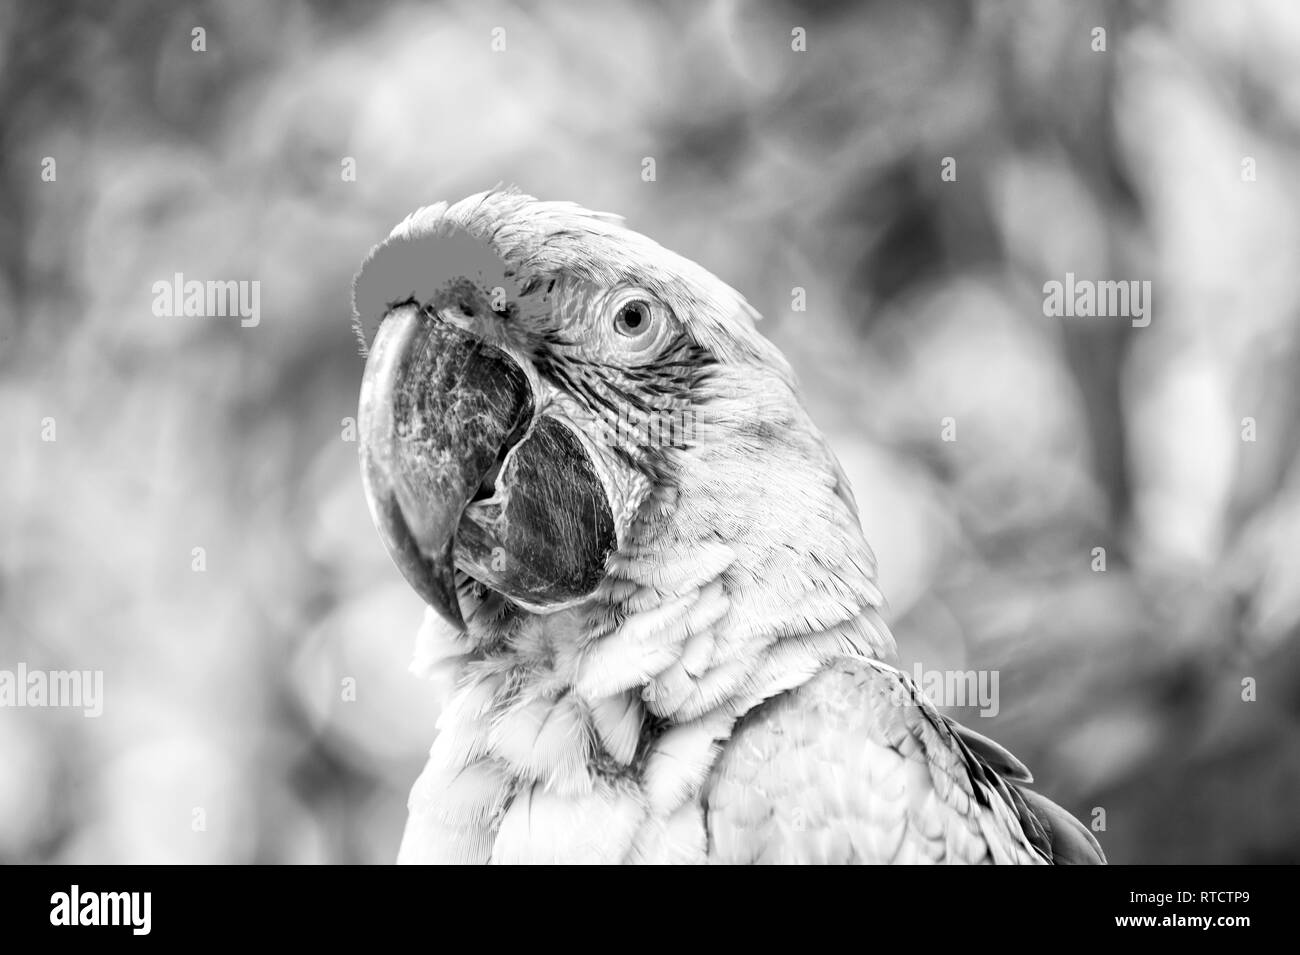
{"points": [[558, 412]]}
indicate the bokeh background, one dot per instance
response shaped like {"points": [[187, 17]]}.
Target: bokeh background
{"points": [[1122, 689]]}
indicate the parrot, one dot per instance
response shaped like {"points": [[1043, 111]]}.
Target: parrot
{"points": [[648, 590]]}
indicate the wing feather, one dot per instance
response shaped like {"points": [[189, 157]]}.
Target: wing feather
{"points": [[857, 766]]}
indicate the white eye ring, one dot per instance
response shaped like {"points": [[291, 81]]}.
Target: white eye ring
{"points": [[639, 321]]}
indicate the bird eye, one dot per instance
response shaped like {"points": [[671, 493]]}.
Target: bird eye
{"points": [[633, 319]]}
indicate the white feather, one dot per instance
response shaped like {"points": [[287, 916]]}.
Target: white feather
{"points": [[545, 740], [544, 828], [681, 759], [617, 720]]}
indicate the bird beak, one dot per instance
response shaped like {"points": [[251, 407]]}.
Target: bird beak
{"points": [[460, 473]]}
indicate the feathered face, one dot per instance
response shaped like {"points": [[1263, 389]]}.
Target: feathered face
{"points": [[546, 390]]}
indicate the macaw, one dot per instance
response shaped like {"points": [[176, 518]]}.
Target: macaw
{"points": [[646, 577]]}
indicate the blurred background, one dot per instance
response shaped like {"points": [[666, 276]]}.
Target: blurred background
{"points": [[228, 732]]}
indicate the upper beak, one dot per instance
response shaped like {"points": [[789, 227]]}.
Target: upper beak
{"points": [[439, 408]]}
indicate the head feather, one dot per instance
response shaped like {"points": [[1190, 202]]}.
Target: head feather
{"points": [[505, 237]]}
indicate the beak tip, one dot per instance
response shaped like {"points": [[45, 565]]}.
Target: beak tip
{"points": [[433, 578], [441, 593]]}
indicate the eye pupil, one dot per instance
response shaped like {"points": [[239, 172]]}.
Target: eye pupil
{"points": [[632, 319]]}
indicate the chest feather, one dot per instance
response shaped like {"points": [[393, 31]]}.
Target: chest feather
{"points": [[521, 775]]}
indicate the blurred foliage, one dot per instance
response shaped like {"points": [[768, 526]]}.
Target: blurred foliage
{"points": [[776, 169]]}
